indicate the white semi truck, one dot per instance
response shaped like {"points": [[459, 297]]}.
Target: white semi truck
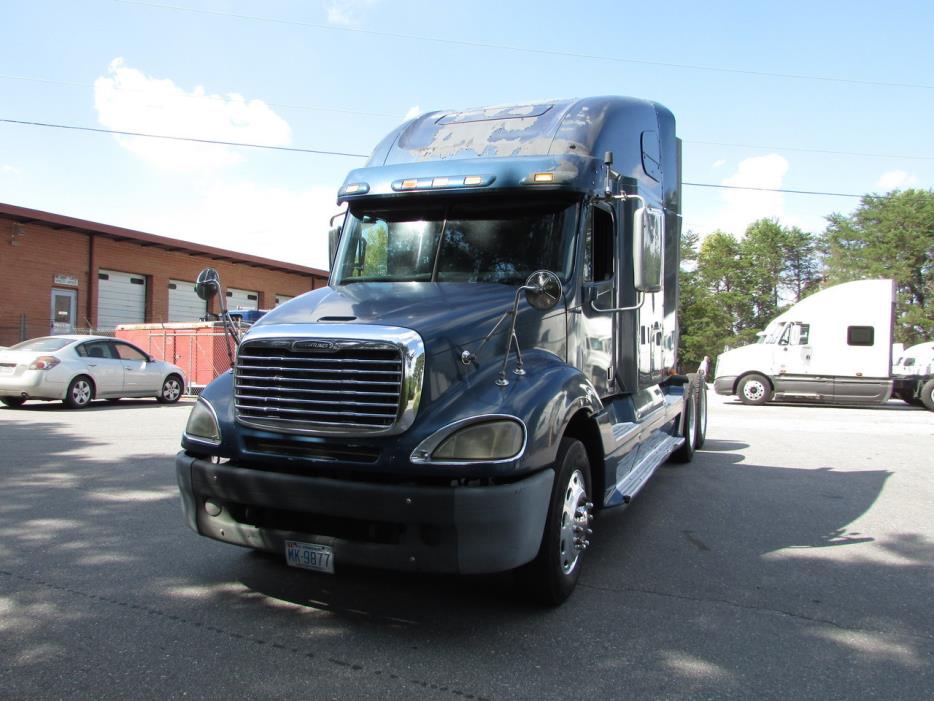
{"points": [[834, 347]]}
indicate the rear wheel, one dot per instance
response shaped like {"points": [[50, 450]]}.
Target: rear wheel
{"points": [[552, 575], [688, 431], [12, 402], [80, 393], [171, 390], [927, 395], [700, 433], [754, 389]]}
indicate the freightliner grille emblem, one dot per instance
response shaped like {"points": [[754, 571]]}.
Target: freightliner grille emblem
{"points": [[314, 346]]}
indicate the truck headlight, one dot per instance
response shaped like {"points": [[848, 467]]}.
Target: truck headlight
{"points": [[202, 423], [474, 440]]}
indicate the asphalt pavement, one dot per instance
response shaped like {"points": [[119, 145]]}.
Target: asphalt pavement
{"points": [[794, 558]]}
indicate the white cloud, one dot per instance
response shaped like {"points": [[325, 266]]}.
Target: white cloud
{"points": [[129, 100], [739, 208], [718, 163], [413, 112], [10, 170], [895, 179], [347, 12], [260, 220]]}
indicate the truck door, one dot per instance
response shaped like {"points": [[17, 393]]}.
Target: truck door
{"points": [[793, 352]]}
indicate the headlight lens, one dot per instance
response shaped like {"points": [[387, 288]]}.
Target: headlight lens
{"points": [[202, 423], [492, 440]]}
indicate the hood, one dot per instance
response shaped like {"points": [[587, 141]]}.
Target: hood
{"points": [[445, 315], [734, 362]]}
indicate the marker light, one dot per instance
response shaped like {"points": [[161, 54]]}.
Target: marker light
{"points": [[356, 189], [443, 182], [543, 178]]}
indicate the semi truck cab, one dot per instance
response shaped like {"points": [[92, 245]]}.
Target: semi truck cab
{"points": [[493, 361]]}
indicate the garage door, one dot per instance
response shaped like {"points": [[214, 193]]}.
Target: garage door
{"points": [[242, 299], [121, 299], [184, 304], [282, 299]]}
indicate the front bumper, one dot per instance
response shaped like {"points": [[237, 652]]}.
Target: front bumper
{"points": [[468, 530], [724, 385]]}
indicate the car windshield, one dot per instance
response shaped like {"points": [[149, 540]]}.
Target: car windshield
{"points": [[46, 343], [463, 242]]}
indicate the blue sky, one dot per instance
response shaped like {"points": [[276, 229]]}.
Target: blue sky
{"points": [[338, 75]]}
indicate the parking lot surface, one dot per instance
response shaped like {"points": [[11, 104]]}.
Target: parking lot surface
{"points": [[794, 558]]}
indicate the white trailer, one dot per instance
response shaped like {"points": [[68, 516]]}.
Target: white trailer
{"points": [[832, 347]]}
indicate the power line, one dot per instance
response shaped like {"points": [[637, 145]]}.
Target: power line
{"points": [[297, 149], [771, 189], [520, 49], [343, 110], [185, 138]]}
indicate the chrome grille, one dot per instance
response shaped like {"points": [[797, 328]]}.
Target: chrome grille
{"points": [[319, 386]]}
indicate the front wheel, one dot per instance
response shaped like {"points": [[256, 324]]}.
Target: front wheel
{"points": [[171, 390], [700, 431], [552, 575], [754, 389], [685, 453]]}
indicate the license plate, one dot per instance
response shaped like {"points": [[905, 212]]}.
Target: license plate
{"points": [[309, 556], [7, 369]]}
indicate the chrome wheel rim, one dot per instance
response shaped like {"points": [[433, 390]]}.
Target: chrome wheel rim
{"points": [[81, 392], [171, 390], [754, 390], [575, 520]]}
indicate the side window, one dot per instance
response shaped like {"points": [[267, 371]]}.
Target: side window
{"points": [[860, 335], [795, 335], [598, 246], [128, 352], [95, 349]]}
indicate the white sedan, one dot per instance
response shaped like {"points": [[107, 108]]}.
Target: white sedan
{"points": [[77, 369]]}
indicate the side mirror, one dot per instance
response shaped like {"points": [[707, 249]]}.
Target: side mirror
{"points": [[208, 284], [543, 290], [334, 238], [647, 247]]}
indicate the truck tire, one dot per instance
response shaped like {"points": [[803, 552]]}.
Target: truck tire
{"points": [[552, 575], [685, 453], [700, 432], [927, 395], [754, 389]]}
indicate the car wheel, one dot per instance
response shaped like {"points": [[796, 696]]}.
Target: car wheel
{"points": [[171, 390], [80, 393], [927, 395], [688, 431], [552, 575], [754, 389], [12, 402]]}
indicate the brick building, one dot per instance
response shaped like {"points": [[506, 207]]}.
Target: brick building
{"points": [[60, 274]]}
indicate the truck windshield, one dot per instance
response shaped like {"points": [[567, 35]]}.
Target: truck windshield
{"points": [[464, 242]]}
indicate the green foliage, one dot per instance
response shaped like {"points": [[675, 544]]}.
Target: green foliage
{"points": [[731, 288], [889, 236]]}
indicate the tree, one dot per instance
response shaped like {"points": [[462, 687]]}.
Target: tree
{"points": [[889, 236]]}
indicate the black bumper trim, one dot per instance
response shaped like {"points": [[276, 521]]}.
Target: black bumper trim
{"points": [[483, 529]]}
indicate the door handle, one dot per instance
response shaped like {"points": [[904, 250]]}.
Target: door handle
{"points": [[92, 365]]}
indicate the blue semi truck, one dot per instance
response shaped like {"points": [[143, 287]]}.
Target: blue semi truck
{"points": [[493, 361]]}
